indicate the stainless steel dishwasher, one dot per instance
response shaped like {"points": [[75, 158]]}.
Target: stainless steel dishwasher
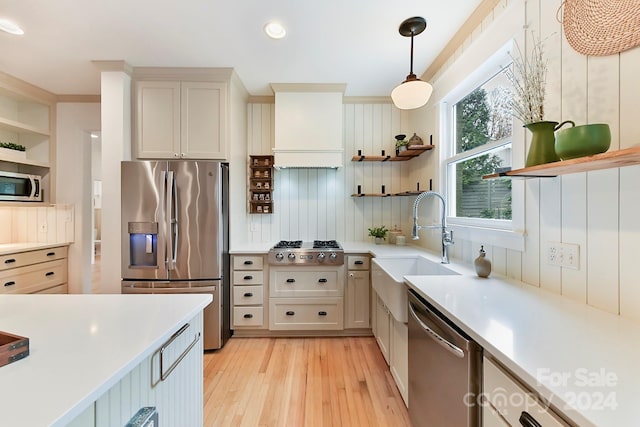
{"points": [[445, 369]]}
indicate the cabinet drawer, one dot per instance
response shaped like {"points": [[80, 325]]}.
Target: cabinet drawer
{"points": [[296, 283], [248, 316], [247, 295], [306, 314], [247, 262], [248, 277], [357, 262], [58, 289], [33, 278], [32, 257], [510, 399]]}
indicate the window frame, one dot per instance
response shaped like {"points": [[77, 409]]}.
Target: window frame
{"points": [[504, 233]]}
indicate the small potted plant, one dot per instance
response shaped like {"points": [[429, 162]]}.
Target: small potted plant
{"points": [[380, 233], [401, 143], [12, 146], [12, 150]]}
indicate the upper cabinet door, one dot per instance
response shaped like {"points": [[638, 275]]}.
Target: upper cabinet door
{"points": [[158, 119], [204, 117]]}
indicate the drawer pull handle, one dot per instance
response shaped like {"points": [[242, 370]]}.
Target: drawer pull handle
{"points": [[359, 262], [248, 294], [248, 316], [51, 254], [49, 273], [10, 283], [290, 313], [10, 261], [248, 277], [291, 280], [526, 420], [248, 263], [322, 280], [322, 313]]}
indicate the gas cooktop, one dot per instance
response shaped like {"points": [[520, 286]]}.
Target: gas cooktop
{"points": [[297, 252], [299, 244]]}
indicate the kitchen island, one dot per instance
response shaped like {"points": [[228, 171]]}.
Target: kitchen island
{"points": [[97, 357]]}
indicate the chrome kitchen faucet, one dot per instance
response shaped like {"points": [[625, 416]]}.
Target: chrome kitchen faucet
{"points": [[447, 235]]}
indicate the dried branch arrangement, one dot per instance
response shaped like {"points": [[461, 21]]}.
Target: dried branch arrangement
{"points": [[528, 76]]}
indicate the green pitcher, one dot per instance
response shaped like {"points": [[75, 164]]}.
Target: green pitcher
{"points": [[542, 149]]}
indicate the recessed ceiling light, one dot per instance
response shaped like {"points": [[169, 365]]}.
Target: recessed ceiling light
{"points": [[275, 30], [10, 27]]}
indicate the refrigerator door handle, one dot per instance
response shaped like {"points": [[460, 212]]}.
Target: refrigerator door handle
{"points": [[174, 219], [171, 259]]}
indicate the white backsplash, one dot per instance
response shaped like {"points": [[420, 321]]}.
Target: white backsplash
{"points": [[30, 224]]}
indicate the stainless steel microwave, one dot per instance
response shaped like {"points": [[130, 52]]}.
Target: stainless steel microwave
{"points": [[20, 187]]}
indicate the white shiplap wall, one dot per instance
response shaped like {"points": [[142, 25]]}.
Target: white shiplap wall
{"points": [[50, 224], [315, 203], [599, 210]]}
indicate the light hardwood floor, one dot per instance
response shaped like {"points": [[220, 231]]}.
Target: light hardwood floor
{"points": [[300, 382]]}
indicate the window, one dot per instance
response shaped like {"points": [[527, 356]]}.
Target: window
{"points": [[481, 137]]}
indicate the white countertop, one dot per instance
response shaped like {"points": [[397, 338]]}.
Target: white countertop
{"points": [[80, 346], [541, 336], [11, 248]]}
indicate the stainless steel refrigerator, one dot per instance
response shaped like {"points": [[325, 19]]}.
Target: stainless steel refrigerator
{"points": [[175, 235]]}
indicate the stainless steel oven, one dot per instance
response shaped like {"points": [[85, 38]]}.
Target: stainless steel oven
{"points": [[445, 369], [20, 187]]}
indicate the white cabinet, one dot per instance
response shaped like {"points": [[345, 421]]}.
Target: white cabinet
{"points": [[309, 298], [248, 296], [392, 338], [39, 271], [357, 300], [507, 400], [491, 417], [399, 357], [27, 118], [383, 328], [181, 119]]}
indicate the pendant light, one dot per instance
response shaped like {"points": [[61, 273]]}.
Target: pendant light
{"points": [[413, 92]]}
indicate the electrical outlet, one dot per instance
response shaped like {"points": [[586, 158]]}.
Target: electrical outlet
{"points": [[43, 227], [554, 253], [254, 226], [571, 256]]}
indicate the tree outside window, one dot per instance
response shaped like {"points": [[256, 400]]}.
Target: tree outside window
{"points": [[480, 118]]}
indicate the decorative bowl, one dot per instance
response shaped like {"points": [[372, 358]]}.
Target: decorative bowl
{"points": [[580, 141]]}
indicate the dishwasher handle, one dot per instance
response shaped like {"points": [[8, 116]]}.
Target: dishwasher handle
{"points": [[455, 350]]}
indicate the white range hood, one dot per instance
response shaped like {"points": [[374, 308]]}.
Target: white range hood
{"points": [[308, 125]]}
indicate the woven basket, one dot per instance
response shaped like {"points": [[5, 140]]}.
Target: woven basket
{"points": [[601, 27]]}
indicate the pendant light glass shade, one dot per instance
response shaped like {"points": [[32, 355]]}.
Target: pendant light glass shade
{"points": [[411, 94]]}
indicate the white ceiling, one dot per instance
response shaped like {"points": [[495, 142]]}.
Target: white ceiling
{"points": [[330, 41]]}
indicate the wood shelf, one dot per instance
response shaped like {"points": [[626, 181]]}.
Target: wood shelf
{"points": [[260, 165], [18, 127], [612, 159], [401, 194], [402, 156]]}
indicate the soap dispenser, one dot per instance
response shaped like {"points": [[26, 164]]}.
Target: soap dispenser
{"points": [[482, 264]]}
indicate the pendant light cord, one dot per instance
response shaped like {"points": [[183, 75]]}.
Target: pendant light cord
{"points": [[411, 67]]}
